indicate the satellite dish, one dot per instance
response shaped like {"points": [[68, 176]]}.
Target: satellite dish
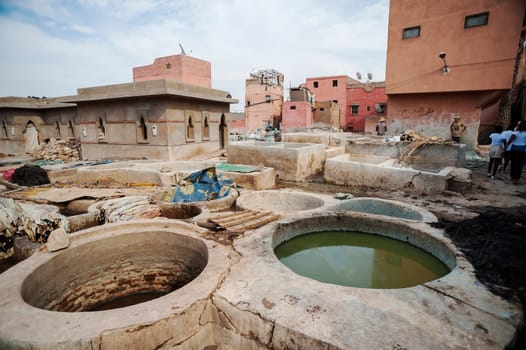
{"points": [[182, 50], [369, 76], [358, 75]]}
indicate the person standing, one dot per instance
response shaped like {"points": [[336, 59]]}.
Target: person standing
{"points": [[517, 142], [506, 154], [495, 151], [381, 127], [457, 129]]}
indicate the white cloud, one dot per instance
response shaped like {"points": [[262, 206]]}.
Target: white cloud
{"points": [[299, 38]]}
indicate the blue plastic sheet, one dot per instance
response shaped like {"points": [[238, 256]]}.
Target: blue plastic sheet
{"points": [[203, 185]]}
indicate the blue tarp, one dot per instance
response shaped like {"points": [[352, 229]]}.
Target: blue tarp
{"points": [[203, 185]]}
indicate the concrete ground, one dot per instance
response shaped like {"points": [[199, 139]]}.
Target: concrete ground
{"points": [[266, 313]]}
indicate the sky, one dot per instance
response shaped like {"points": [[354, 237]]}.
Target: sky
{"points": [[52, 47]]}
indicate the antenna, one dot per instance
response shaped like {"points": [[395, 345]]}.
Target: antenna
{"points": [[182, 50], [358, 75]]}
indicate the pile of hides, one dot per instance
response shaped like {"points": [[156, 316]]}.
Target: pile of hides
{"points": [[126, 208], [203, 185], [65, 150], [36, 221], [411, 135], [30, 175]]}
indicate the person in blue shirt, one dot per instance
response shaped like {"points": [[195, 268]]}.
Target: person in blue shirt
{"points": [[495, 151], [517, 142]]}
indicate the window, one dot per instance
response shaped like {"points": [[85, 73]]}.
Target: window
{"points": [[354, 109], [413, 32], [322, 109], [335, 101], [335, 83], [480, 19], [248, 102], [206, 129], [380, 108], [315, 84], [292, 107], [368, 108], [267, 98], [190, 130]]}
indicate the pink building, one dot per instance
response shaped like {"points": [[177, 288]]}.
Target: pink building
{"points": [[297, 115], [452, 58], [263, 99], [331, 88], [182, 68], [365, 101]]}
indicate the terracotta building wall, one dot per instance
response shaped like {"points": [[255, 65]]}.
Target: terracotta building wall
{"points": [[365, 96], [479, 58], [258, 110], [330, 88], [182, 68], [297, 115], [432, 114]]}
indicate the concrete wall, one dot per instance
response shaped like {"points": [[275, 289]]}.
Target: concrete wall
{"points": [[169, 116], [182, 68], [50, 123], [349, 170], [292, 161]]}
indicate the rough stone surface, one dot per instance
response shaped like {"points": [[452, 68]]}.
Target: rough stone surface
{"points": [[57, 240]]}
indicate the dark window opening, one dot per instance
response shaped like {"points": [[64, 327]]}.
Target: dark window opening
{"points": [[267, 98], [368, 108], [206, 129], [315, 84], [335, 83], [248, 103], [413, 32], [322, 109], [71, 129], [190, 130], [292, 107], [4, 128], [335, 101], [380, 108], [143, 128], [57, 127], [355, 109], [480, 19]]}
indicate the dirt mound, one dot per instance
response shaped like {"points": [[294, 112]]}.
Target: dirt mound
{"points": [[495, 244], [30, 175]]}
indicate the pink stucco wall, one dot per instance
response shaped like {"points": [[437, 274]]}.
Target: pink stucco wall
{"points": [[182, 68], [366, 96], [297, 115], [258, 111], [326, 91]]}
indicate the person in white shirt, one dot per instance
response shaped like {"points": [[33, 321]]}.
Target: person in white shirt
{"points": [[495, 151], [506, 155]]}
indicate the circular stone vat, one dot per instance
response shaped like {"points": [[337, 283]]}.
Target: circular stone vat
{"points": [[385, 207], [121, 270], [361, 252], [357, 259], [116, 286], [283, 201]]}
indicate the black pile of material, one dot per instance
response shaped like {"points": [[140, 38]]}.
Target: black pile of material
{"points": [[30, 175], [495, 244]]}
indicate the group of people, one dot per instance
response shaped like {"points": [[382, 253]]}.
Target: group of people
{"points": [[509, 145]]}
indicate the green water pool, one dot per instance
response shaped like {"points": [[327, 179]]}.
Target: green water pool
{"points": [[360, 260]]}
